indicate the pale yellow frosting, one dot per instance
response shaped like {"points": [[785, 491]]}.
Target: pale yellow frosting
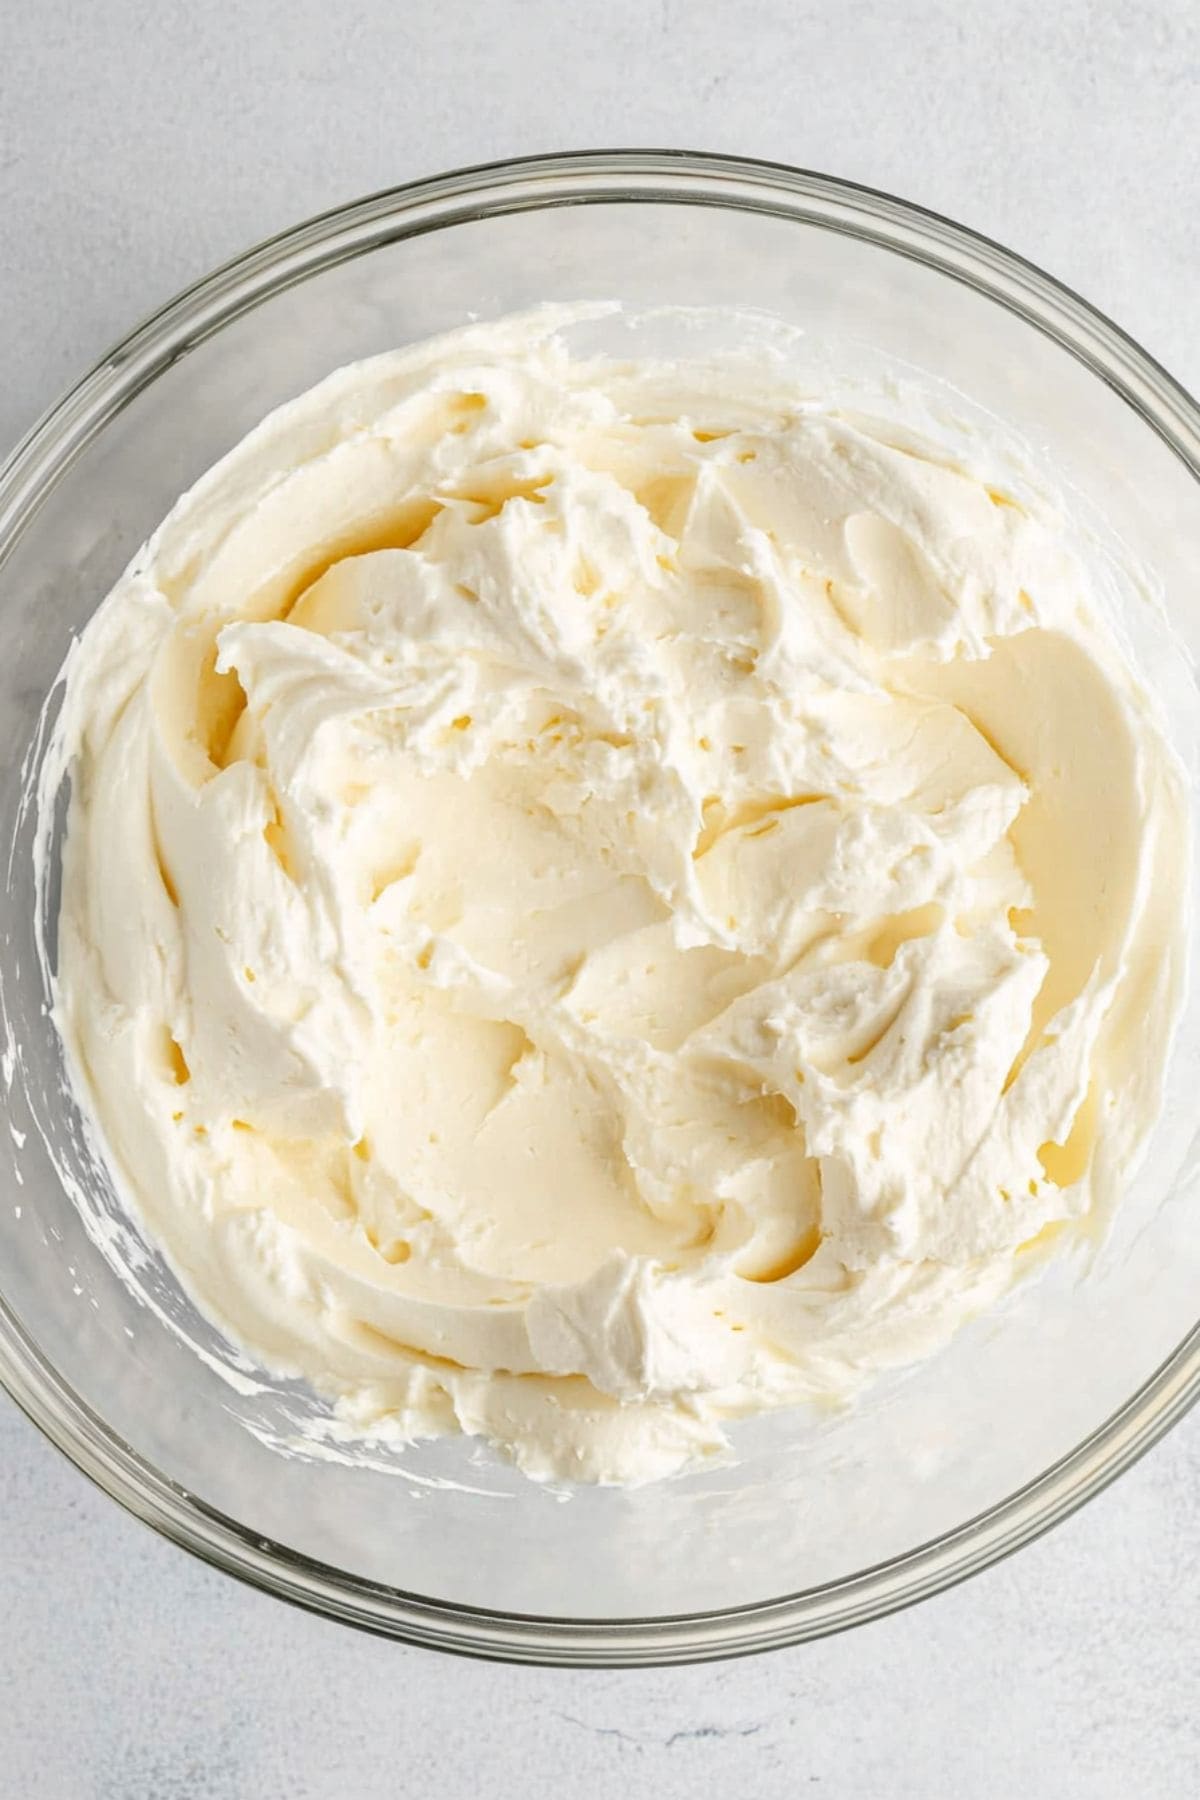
{"points": [[600, 898]]}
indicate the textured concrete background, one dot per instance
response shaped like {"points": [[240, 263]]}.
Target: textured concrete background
{"points": [[138, 146]]}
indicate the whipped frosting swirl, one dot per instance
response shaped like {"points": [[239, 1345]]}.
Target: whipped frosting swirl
{"points": [[603, 897]]}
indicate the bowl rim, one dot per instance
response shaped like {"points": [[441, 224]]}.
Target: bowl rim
{"points": [[27, 475]]}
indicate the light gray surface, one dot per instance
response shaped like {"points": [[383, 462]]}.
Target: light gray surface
{"points": [[138, 146]]}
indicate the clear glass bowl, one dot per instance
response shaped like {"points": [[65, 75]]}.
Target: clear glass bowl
{"points": [[818, 1525]]}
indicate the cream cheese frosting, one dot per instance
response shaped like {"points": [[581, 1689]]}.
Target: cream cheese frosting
{"points": [[602, 897]]}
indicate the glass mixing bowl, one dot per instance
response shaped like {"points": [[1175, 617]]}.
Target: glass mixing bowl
{"points": [[820, 1523]]}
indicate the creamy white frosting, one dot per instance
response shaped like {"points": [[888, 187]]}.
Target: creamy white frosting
{"points": [[603, 897]]}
